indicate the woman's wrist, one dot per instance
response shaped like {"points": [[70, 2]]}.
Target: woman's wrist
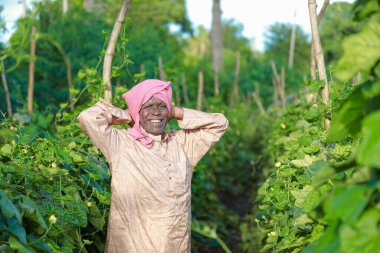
{"points": [[177, 113]]}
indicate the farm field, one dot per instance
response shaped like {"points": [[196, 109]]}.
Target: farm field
{"points": [[298, 169]]}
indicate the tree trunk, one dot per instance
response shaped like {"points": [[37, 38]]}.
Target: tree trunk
{"points": [[184, 89], [292, 45], [31, 70], [216, 43], [88, 5], [235, 89], [312, 58], [107, 64], [6, 90], [69, 82], [276, 84], [24, 8], [161, 71], [65, 6], [142, 68], [200, 90], [282, 88], [318, 54], [216, 83]]}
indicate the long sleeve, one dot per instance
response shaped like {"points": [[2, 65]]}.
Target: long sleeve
{"points": [[96, 121], [201, 131]]}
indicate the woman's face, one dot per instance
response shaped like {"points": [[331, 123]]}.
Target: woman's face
{"points": [[154, 115]]}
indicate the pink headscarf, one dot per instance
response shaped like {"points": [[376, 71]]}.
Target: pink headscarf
{"points": [[139, 95]]}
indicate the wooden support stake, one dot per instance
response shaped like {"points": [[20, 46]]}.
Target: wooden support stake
{"points": [[107, 64], [69, 82], [184, 88], [200, 90], [235, 88], [6, 90], [318, 54], [31, 70]]}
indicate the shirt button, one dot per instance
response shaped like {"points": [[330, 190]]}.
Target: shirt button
{"points": [[170, 178]]}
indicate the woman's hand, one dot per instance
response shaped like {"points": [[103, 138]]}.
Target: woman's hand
{"points": [[176, 113]]}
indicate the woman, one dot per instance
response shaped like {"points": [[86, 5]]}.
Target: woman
{"points": [[151, 169]]}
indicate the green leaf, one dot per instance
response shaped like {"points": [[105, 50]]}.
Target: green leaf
{"points": [[6, 150], [305, 162], [361, 51], [347, 121], [340, 206], [16, 229], [328, 242], [369, 149], [300, 195], [364, 235], [316, 85], [32, 212], [7, 208], [95, 217], [16, 245]]}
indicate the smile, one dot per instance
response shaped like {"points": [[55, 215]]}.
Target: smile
{"points": [[156, 120]]}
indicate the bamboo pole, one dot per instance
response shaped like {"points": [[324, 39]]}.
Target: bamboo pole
{"points": [[24, 8], [184, 88], [318, 54], [216, 83], [312, 58], [31, 70], [69, 82], [282, 88], [107, 64], [65, 6], [235, 88], [161, 71], [6, 90], [292, 43], [200, 90]]}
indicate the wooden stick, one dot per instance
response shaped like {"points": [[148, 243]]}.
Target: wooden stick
{"points": [[6, 90], [31, 69], [282, 88], [161, 71], [184, 88], [235, 88], [200, 90], [313, 64], [258, 103], [318, 53], [107, 64], [69, 82]]}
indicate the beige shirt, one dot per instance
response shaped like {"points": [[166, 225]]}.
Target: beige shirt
{"points": [[151, 188]]}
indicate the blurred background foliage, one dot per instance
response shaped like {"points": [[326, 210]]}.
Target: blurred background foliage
{"points": [[260, 189]]}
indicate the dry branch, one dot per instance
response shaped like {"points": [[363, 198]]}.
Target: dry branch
{"points": [[312, 58], [318, 54], [235, 88], [107, 64], [6, 90], [200, 90], [31, 70]]}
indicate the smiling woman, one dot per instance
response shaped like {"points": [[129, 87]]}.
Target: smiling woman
{"points": [[151, 170]]}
